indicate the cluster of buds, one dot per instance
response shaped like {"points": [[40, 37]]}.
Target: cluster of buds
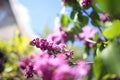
{"points": [[85, 3], [50, 47], [104, 17]]}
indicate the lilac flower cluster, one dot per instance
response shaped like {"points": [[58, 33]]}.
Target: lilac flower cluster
{"points": [[54, 68], [85, 3], [59, 36], [51, 47], [27, 65], [87, 34], [53, 63], [104, 18]]}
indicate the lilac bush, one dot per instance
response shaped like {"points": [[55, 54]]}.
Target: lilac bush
{"points": [[54, 67], [95, 24]]}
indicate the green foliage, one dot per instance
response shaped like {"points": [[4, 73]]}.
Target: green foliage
{"points": [[82, 19], [98, 67], [95, 18], [73, 13], [64, 20], [112, 30], [109, 6], [111, 57], [14, 50]]}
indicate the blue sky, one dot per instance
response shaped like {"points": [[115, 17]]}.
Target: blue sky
{"points": [[42, 12]]}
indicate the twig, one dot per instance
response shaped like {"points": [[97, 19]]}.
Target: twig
{"points": [[91, 18]]}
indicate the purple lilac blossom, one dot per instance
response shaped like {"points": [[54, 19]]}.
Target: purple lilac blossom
{"points": [[59, 36], [28, 71], [87, 34], [64, 73], [25, 61], [82, 69], [55, 68], [51, 47], [44, 65], [85, 3], [43, 68], [27, 65], [104, 18]]}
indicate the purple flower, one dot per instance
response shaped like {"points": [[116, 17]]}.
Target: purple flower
{"points": [[27, 65], [55, 67], [43, 68], [45, 65], [82, 69], [69, 54], [51, 47], [87, 34], [24, 62], [28, 71], [104, 18], [59, 36], [85, 3], [53, 62], [64, 73]]}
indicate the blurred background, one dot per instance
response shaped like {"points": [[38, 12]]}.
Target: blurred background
{"points": [[41, 13], [20, 21], [28, 16]]}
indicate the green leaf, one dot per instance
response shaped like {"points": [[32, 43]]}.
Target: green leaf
{"points": [[71, 37], [76, 30], [70, 3], [98, 66], [64, 20], [109, 6], [111, 57], [96, 37], [82, 19], [96, 8], [113, 30], [95, 18], [72, 14]]}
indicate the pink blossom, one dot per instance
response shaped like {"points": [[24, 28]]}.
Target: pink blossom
{"points": [[82, 68], [87, 34], [85, 3], [59, 36], [104, 18], [64, 73]]}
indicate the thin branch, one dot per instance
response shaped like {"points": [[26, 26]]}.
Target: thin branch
{"points": [[90, 41], [91, 18]]}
